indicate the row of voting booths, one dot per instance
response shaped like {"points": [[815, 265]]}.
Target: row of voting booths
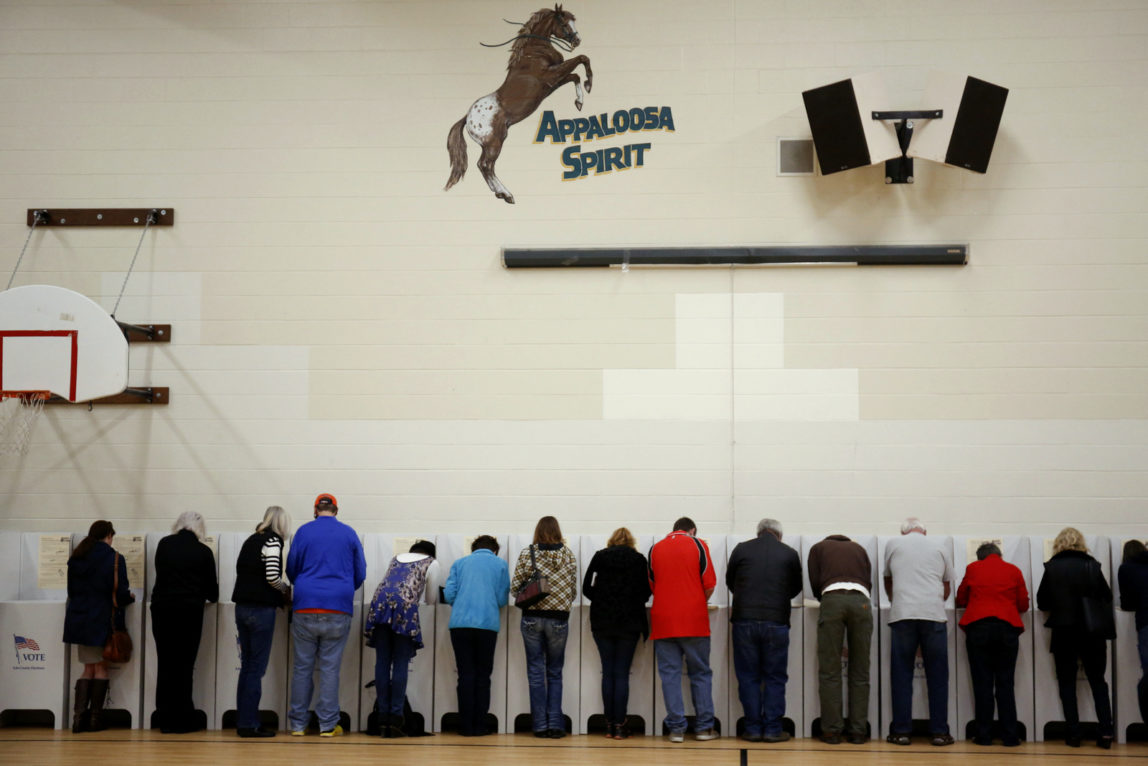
{"points": [[35, 684]]}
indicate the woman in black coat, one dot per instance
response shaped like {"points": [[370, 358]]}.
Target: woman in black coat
{"points": [[1070, 577], [94, 603], [618, 586], [184, 580], [1133, 577]]}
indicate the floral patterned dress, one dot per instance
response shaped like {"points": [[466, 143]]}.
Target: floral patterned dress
{"points": [[396, 600]]}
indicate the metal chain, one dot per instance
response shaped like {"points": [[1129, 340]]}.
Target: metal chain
{"points": [[151, 218], [35, 220]]}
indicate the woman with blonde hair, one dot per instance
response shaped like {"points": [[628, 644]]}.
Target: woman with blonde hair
{"points": [[546, 623], [618, 586], [1077, 598]]}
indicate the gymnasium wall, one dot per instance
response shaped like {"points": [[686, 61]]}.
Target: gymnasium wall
{"points": [[341, 324]]}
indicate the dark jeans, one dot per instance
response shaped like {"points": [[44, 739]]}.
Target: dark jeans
{"points": [[545, 641], [176, 628], [932, 638], [1067, 647], [255, 626], [760, 661], [844, 613], [617, 654], [993, 646], [393, 655], [474, 657], [1142, 687]]}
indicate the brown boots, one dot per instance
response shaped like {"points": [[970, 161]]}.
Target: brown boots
{"points": [[80, 705], [88, 705], [96, 709]]}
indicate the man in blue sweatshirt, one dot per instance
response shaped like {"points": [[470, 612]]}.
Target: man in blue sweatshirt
{"points": [[326, 566]]}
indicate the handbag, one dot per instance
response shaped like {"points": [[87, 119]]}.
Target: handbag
{"points": [[536, 588], [1098, 618], [118, 647]]}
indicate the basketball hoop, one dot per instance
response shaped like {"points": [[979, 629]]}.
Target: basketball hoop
{"points": [[19, 411]]}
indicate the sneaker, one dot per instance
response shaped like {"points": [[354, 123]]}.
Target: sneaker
{"points": [[336, 732], [857, 739], [677, 736], [782, 736], [298, 732], [751, 737], [705, 735], [831, 739], [941, 740], [899, 739]]}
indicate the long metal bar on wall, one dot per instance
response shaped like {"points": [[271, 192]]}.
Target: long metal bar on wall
{"points": [[860, 255]]}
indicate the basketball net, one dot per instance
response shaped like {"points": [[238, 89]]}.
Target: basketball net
{"points": [[19, 411]]}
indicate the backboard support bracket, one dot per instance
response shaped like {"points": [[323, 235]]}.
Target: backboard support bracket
{"points": [[106, 216], [148, 395], [146, 333]]}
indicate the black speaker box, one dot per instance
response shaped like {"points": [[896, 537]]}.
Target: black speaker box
{"points": [[835, 121], [975, 127]]}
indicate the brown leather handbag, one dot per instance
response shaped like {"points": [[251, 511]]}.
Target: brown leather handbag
{"points": [[118, 648]]}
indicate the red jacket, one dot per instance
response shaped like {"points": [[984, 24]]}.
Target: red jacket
{"points": [[993, 588], [681, 571]]}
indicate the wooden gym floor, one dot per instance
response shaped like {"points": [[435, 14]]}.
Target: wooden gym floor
{"points": [[48, 747]]}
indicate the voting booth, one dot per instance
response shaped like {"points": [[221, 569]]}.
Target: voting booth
{"points": [[203, 679], [33, 590], [809, 614], [1125, 659], [124, 705], [1015, 550], [719, 652], [451, 548], [794, 719], [517, 683], [273, 702], [379, 550], [1049, 714], [640, 708], [920, 689]]}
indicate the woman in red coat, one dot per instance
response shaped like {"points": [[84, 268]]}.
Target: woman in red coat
{"points": [[993, 594]]}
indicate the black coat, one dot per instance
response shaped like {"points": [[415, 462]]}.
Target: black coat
{"points": [[1069, 576], [184, 571], [618, 587], [1133, 576], [88, 615], [764, 574]]}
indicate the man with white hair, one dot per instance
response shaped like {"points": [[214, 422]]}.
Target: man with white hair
{"points": [[764, 574], [918, 578]]}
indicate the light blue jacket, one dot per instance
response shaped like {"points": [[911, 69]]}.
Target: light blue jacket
{"points": [[477, 588]]}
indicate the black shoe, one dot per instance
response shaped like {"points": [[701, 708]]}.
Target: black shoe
{"points": [[831, 739], [942, 740], [557, 733], [858, 739], [250, 733], [751, 737], [1072, 741], [779, 737], [899, 739], [1105, 742], [542, 733], [1011, 742], [982, 741]]}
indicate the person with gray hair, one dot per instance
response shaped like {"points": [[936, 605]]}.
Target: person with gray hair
{"points": [[764, 574], [184, 579]]}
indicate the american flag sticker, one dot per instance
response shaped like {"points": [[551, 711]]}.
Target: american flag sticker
{"points": [[26, 643]]}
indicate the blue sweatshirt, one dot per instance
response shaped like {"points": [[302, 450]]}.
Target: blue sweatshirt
{"points": [[477, 588], [326, 566]]}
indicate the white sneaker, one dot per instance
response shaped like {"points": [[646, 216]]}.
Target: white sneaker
{"points": [[677, 736], [706, 735]]}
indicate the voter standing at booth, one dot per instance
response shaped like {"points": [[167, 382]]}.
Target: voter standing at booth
{"points": [[98, 591], [1133, 577]]}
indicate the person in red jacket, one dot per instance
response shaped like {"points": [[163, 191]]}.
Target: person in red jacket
{"points": [[993, 594]]}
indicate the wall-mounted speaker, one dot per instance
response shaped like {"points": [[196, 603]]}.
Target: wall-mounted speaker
{"points": [[964, 137], [844, 133]]}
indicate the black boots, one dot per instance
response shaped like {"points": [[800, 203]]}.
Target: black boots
{"points": [[88, 706], [391, 726], [80, 705], [99, 695]]}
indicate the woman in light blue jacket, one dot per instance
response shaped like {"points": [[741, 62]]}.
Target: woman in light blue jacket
{"points": [[477, 589]]}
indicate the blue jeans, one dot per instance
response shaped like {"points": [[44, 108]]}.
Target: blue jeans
{"points": [[255, 626], [545, 642], [393, 655], [669, 653], [932, 638], [760, 661], [1142, 687], [318, 638], [617, 655]]}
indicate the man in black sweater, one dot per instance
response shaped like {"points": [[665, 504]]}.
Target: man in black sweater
{"points": [[764, 574]]}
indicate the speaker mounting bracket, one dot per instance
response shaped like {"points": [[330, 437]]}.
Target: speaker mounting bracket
{"points": [[900, 170]]}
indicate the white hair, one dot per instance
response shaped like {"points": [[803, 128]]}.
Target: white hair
{"points": [[772, 525], [912, 523], [277, 520], [192, 521]]}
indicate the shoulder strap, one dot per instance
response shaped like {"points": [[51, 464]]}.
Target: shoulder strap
{"points": [[533, 563], [115, 578]]}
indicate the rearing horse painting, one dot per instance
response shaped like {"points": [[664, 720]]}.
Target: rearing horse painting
{"points": [[535, 70]]}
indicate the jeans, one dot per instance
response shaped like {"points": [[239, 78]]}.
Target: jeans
{"points": [[1142, 687], [845, 615], [760, 661], [932, 638], [696, 651], [545, 642], [177, 629], [393, 655], [1069, 645], [474, 658], [617, 655], [993, 646], [319, 638], [255, 626]]}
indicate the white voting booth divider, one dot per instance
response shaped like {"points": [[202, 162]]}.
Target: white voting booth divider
{"points": [[123, 706], [642, 670], [1048, 707], [33, 589], [920, 690], [379, 550], [517, 686], [810, 614], [1016, 551], [794, 719], [719, 651], [1125, 655], [451, 548], [203, 679], [273, 702]]}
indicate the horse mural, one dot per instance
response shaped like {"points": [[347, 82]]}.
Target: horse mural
{"points": [[535, 70]]}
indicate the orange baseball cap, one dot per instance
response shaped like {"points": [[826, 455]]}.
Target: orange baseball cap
{"points": [[327, 499]]}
